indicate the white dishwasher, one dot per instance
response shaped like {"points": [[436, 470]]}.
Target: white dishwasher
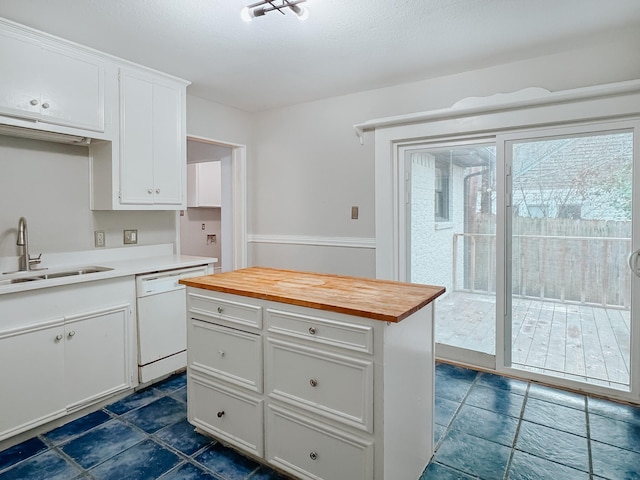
{"points": [[162, 322]]}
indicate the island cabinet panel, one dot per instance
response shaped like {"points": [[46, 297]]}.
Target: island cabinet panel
{"points": [[231, 415], [322, 383], [334, 395], [308, 449]]}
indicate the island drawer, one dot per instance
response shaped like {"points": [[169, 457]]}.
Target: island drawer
{"points": [[226, 308], [227, 414], [310, 450], [226, 354], [341, 334], [327, 384]]}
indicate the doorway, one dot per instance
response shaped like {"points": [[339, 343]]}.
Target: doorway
{"points": [[530, 232], [214, 223]]}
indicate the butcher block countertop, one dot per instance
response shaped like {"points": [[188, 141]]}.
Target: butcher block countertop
{"points": [[376, 299]]}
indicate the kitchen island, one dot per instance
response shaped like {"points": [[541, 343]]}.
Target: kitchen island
{"points": [[321, 376]]}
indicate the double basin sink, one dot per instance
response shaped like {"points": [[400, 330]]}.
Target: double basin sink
{"points": [[50, 275]]}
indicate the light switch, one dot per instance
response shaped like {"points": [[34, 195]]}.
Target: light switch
{"points": [[354, 213]]}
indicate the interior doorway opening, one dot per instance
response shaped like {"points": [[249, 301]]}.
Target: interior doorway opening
{"points": [[214, 223]]}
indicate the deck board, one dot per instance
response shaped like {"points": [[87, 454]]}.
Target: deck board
{"points": [[579, 342]]}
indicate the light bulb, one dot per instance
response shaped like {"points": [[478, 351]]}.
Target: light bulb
{"points": [[304, 14], [246, 14]]}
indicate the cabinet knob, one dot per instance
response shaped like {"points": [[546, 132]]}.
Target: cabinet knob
{"points": [[58, 337], [221, 353], [220, 309], [313, 456], [45, 105], [157, 190], [220, 413], [34, 102], [313, 382], [72, 333], [312, 330], [150, 191]]}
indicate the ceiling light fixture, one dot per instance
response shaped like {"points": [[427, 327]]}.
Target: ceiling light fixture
{"points": [[265, 6]]}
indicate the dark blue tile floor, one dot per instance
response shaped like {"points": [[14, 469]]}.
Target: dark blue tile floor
{"points": [[486, 427], [494, 428], [144, 436]]}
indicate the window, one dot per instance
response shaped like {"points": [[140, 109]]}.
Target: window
{"points": [[441, 199]]}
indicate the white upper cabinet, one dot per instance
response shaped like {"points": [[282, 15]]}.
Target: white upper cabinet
{"points": [[53, 84], [152, 140], [204, 184], [144, 168]]}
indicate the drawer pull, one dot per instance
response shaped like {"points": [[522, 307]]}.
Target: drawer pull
{"points": [[220, 413], [220, 309], [312, 330], [221, 353], [313, 382], [313, 456]]}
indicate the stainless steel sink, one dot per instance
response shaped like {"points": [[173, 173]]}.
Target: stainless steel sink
{"points": [[52, 275], [9, 281], [79, 271]]}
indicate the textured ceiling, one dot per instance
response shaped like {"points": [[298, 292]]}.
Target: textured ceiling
{"points": [[345, 46]]}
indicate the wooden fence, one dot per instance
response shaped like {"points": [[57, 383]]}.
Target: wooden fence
{"points": [[581, 261]]}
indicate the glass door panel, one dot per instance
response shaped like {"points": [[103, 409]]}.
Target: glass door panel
{"points": [[451, 221], [570, 237]]}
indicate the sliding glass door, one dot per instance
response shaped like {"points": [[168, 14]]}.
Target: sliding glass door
{"points": [[451, 219], [531, 234], [570, 234]]}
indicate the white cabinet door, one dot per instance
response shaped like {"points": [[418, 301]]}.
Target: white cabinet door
{"points": [[72, 89], [20, 79], [152, 158], [50, 84], [204, 184], [168, 160], [96, 355], [136, 140], [32, 377]]}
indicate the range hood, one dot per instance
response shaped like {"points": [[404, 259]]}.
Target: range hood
{"points": [[13, 131]]}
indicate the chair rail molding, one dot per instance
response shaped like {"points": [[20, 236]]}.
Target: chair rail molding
{"points": [[348, 242]]}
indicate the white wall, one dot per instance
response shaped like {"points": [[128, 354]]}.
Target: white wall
{"points": [[307, 167], [193, 239], [48, 183]]}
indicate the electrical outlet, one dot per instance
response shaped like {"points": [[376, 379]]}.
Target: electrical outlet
{"points": [[211, 239], [130, 237], [98, 238]]}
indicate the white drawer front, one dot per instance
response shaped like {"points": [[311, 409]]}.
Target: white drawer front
{"points": [[212, 307], [327, 384], [309, 450], [226, 353], [350, 336], [226, 414]]}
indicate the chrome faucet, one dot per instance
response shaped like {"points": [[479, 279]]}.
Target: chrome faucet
{"points": [[25, 261]]}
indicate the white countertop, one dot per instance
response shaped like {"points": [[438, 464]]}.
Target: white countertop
{"points": [[122, 262]]}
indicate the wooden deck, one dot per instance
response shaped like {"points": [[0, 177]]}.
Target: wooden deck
{"points": [[584, 343]]}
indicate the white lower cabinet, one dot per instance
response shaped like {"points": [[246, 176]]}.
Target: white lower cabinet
{"points": [[334, 396], [31, 392], [95, 348], [59, 355]]}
